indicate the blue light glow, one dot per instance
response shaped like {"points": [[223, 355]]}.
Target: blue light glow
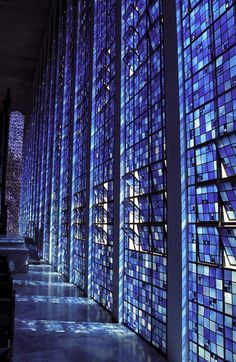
{"points": [[209, 65], [80, 146], [14, 169], [103, 153], [145, 273], [69, 153], [58, 111], [66, 139], [84, 328]]}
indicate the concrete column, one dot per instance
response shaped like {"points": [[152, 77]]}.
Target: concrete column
{"points": [[176, 327]]}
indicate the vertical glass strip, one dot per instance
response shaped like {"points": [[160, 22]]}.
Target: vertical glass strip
{"points": [[54, 222], [80, 141], [66, 136], [47, 143], [36, 208], [103, 152], [144, 144], [28, 191], [14, 160], [209, 90], [44, 141], [50, 130]]}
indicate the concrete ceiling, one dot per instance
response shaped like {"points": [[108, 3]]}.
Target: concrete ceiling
{"points": [[22, 25]]}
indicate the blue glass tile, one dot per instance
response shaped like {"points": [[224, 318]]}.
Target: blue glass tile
{"points": [[228, 238], [209, 245], [227, 151], [206, 163], [207, 203], [145, 171], [66, 135], [207, 95], [103, 152], [228, 196]]}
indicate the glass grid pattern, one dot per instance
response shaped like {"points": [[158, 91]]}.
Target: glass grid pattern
{"points": [[55, 188], [207, 50], [43, 158], [103, 152], [51, 79], [209, 61], [80, 141], [67, 124], [39, 126], [45, 179], [145, 260], [36, 167], [26, 225], [14, 167]]}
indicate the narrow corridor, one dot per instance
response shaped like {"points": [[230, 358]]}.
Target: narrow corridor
{"points": [[54, 322]]}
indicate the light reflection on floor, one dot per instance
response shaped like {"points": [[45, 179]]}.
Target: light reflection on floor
{"points": [[85, 328], [36, 282], [54, 300], [34, 272], [41, 268], [56, 323]]}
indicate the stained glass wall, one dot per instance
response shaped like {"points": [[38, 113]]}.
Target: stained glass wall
{"points": [[51, 78], [35, 163], [209, 67], [59, 91], [32, 133], [32, 166], [145, 274], [14, 168], [69, 153], [103, 152], [44, 107], [25, 227], [66, 138], [81, 138], [45, 181], [42, 154]]}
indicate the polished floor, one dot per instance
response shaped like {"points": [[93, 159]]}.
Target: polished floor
{"points": [[54, 322]]}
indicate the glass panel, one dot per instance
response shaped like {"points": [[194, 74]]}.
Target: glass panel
{"points": [[80, 141], [54, 221], [103, 152], [14, 169], [208, 100], [144, 143], [66, 138]]}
